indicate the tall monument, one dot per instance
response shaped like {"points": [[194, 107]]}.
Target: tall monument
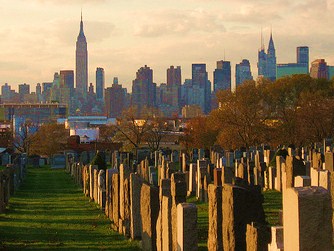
{"points": [[81, 67]]}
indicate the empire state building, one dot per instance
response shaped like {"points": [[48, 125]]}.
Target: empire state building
{"points": [[81, 69]]}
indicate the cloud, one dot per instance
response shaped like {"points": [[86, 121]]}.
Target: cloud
{"points": [[176, 22], [72, 2]]}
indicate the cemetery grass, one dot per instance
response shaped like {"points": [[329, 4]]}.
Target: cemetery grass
{"points": [[272, 204], [202, 222], [50, 212]]}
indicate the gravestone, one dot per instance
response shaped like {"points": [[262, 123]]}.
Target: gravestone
{"points": [[329, 160], [215, 242], [187, 227], [324, 179], [115, 200], [256, 237], [58, 161], [192, 179], [302, 181], [201, 172], [149, 210], [124, 199], [178, 193], [135, 219], [314, 177], [278, 181], [307, 220], [108, 208], [276, 243], [96, 186], [242, 204], [91, 181], [164, 222], [184, 162], [102, 189], [217, 176]]}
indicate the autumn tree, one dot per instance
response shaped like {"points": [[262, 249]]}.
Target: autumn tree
{"points": [[242, 116], [134, 128], [155, 133], [107, 133], [49, 139], [315, 117], [24, 136], [200, 132]]}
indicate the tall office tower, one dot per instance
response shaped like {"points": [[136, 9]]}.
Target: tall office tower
{"points": [[39, 93], [262, 63], [100, 82], [67, 80], [91, 89], [222, 76], [173, 90], [38, 89], [23, 90], [115, 100], [143, 89], [242, 72], [319, 69], [271, 60], [303, 55], [46, 90], [56, 80], [81, 69], [200, 80], [267, 61], [5, 92], [174, 76]]}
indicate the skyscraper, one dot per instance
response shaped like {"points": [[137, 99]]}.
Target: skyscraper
{"points": [[243, 72], [5, 91], [100, 81], [271, 60], [267, 61], [303, 55], [143, 89], [200, 82], [172, 94], [174, 76], [319, 69], [115, 100], [222, 76], [67, 80], [81, 69], [23, 90]]}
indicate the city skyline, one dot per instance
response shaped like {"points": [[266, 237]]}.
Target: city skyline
{"points": [[40, 36]]}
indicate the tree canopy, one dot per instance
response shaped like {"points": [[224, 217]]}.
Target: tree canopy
{"points": [[49, 139], [295, 110]]}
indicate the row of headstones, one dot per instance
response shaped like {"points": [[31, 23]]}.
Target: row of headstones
{"points": [[236, 217], [307, 215], [313, 172], [307, 201], [307, 208], [10, 179], [158, 216]]}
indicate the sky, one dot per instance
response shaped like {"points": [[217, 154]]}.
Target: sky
{"points": [[38, 36]]}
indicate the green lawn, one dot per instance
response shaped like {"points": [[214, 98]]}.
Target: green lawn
{"points": [[272, 204], [202, 222], [50, 212]]}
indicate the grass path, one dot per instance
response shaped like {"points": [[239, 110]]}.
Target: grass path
{"points": [[50, 212]]}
